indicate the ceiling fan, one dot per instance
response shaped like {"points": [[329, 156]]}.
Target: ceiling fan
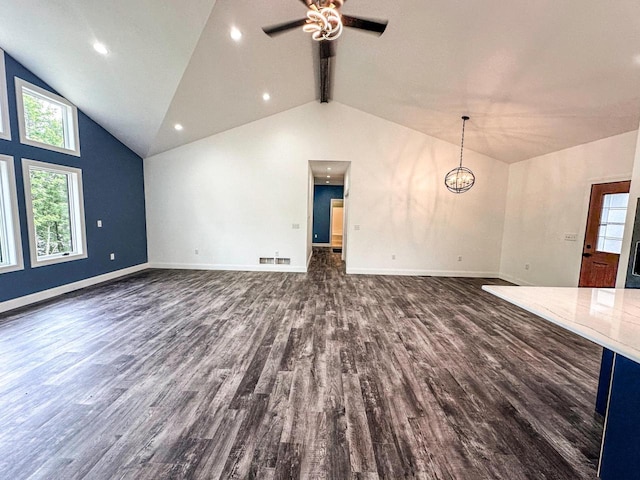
{"points": [[325, 22]]}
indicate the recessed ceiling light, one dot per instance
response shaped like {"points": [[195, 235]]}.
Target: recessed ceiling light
{"points": [[266, 97], [328, 176], [328, 168], [101, 48], [328, 181], [178, 127], [236, 34]]}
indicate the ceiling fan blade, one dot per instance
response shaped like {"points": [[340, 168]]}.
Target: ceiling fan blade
{"points": [[373, 26], [283, 27], [327, 52], [327, 48]]}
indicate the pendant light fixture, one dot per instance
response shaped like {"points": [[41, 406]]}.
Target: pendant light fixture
{"points": [[460, 179]]}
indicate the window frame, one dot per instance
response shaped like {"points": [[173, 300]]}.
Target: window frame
{"points": [[76, 211], [5, 122], [9, 206], [70, 120]]}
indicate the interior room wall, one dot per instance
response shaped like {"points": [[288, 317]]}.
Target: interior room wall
{"points": [[322, 196], [238, 195], [548, 197], [113, 185], [634, 195]]}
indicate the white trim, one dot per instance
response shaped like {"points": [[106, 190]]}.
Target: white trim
{"points": [[421, 273], [5, 121], [516, 280], [71, 134], [13, 228], [320, 244], [230, 268], [309, 259], [70, 287], [76, 201], [606, 414]]}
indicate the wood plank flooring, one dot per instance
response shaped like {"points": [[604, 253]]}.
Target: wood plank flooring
{"points": [[207, 375]]}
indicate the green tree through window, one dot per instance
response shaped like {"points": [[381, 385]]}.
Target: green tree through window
{"points": [[43, 120], [51, 215]]}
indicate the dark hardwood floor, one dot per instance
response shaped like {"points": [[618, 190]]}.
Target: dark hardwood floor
{"points": [[191, 374]]}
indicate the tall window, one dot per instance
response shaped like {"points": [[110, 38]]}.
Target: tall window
{"points": [[10, 244], [5, 131], [55, 212], [46, 120]]}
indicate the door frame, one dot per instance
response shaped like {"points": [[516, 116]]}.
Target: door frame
{"points": [[584, 229], [335, 200]]}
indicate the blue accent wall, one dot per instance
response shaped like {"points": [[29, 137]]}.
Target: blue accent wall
{"points": [[113, 184], [322, 196]]}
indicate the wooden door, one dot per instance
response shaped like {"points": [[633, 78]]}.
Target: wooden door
{"points": [[603, 238]]}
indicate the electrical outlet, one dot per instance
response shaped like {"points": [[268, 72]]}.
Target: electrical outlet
{"points": [[277, 254], [459, 258], [527, 266], [570, 237], [197, 252], [295, 226], [393, 257], [112, 256], [315, 235], [99, 223], [356, 227]]}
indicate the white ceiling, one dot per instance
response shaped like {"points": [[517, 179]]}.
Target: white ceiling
{"points": [[535, 76]]}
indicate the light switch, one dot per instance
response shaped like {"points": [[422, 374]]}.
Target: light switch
{"points": [[99, 223]]}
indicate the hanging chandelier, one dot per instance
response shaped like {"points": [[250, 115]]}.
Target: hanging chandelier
{"points": [[323, 23], [460, 179]]}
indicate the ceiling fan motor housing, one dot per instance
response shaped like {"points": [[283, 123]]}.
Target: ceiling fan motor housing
{"points": [[328, 3]]}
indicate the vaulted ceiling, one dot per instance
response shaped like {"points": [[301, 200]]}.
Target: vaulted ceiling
{"points": [[535, 76]]}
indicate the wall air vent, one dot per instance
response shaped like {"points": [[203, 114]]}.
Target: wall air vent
{"points": [[267, 261], [283, 261]]}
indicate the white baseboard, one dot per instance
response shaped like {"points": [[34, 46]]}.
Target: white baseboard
{"points": [[420, 273], [321, 245], [517, 281], [309, 259], [231, 268], [70, 287]]}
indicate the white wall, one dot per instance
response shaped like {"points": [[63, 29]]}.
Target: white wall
{"points": [[234, 196], [634, 194], [547, 197]]}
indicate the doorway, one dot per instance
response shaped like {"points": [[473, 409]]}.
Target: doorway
{"points": [[336, 224], [603, 236], [328, 208]]}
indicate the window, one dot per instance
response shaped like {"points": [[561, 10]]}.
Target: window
{"points": [[46, 120], [55, 212], [10, 243], [612, 218], [5, 131]]}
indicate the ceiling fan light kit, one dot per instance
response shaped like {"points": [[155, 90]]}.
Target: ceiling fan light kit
{"points": [[460, 179], [324, 23]]}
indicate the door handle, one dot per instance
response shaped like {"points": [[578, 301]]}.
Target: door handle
{"points": [[586, 255]]}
